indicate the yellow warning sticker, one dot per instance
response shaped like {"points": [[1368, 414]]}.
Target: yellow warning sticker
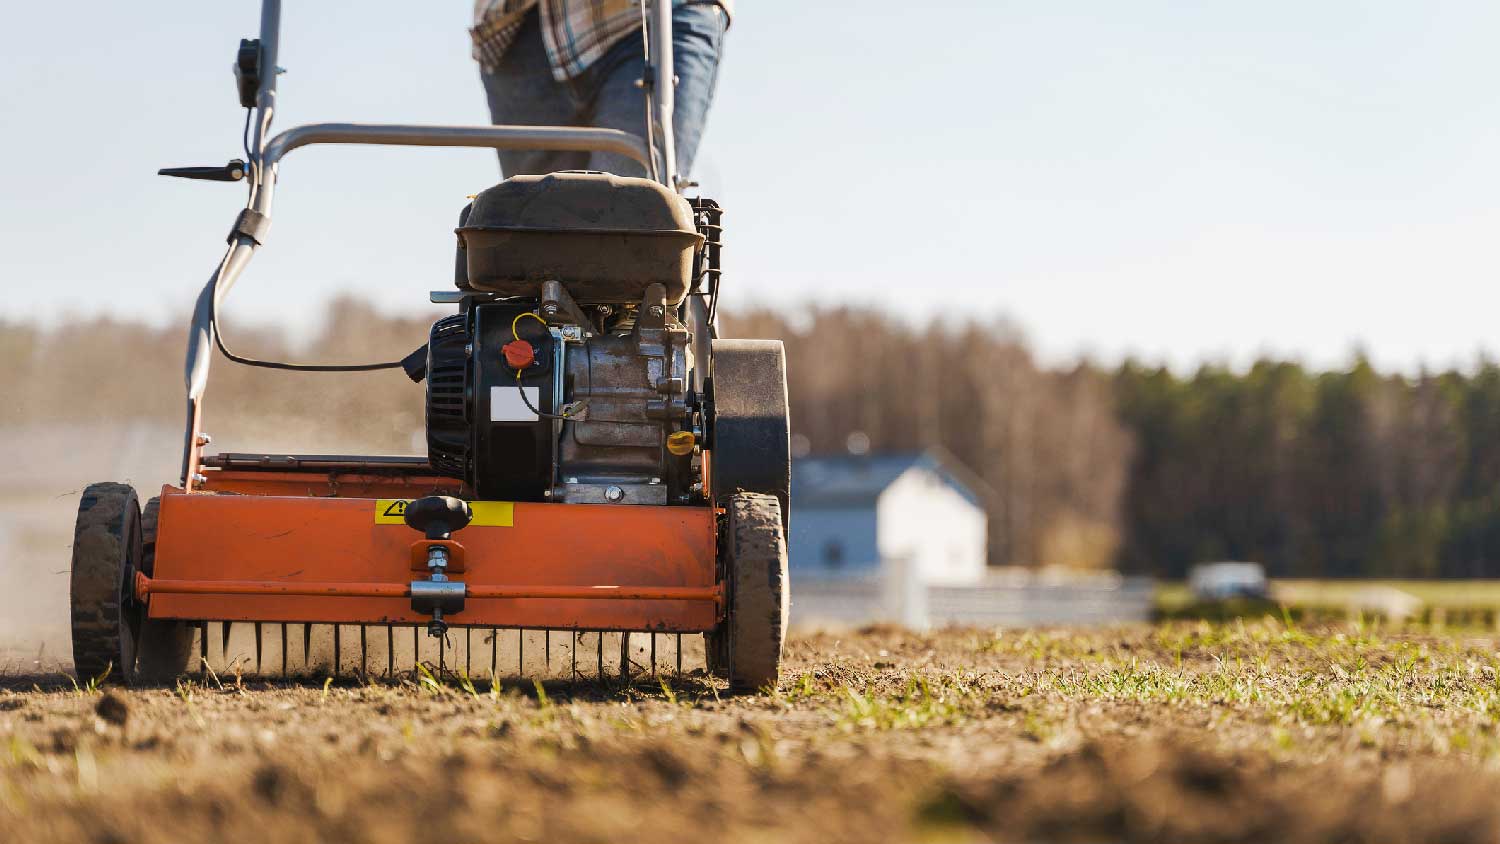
{"points": [[392, 511]]}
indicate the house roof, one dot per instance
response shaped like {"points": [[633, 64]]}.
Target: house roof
{"points": [[843, 480]]}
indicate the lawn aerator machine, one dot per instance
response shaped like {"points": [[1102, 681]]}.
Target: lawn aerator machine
{"points": [[597, 460]]}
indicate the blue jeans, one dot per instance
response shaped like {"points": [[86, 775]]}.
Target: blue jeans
{"points": [[522, 91]]}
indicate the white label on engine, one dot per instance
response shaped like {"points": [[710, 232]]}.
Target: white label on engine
{"points": [[506, 404]]}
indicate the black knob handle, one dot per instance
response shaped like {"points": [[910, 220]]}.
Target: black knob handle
{"points": [[437, 516], [231, 172], [247, 71]]}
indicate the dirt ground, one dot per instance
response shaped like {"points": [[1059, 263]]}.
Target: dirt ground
{"points": [[1186, 732]]}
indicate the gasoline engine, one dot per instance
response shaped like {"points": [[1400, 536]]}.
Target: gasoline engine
{"points": [[568, 374]]}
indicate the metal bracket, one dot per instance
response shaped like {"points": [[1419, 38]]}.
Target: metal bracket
{"points": [[557, 302], [251, 224], [445, 596]]}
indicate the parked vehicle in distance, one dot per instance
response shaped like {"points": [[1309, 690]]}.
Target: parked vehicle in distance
{"points": [[1227, 580]]}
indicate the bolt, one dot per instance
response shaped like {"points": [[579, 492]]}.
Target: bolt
{"points": [[613, 493], [200, 479], [204, 439], [546, 493], [656, 480], [549, 309], [468, 350], [640, 83], [605, 310], [656, 310]]}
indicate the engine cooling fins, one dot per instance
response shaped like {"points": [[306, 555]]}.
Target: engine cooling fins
{"points": [[448, 448]]}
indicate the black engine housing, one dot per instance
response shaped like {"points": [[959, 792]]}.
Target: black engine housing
{"points": [[469, 385]]}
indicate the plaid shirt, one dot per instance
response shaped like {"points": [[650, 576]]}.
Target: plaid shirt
{"points": [[576, 32]]}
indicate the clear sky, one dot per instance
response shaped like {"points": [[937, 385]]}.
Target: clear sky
{"points": [[1180, 181]]}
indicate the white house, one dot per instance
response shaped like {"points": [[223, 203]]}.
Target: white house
{"points": [[851, 512]]}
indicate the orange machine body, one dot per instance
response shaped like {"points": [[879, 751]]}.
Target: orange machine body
{"points": [[309, 547]]}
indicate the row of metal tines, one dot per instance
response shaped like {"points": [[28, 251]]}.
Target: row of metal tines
{"points": [[275, 649]]}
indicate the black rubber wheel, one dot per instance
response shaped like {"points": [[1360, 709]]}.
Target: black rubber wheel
{"points": [[747, 646], [107, 551], [112, 638], [164, 650]]}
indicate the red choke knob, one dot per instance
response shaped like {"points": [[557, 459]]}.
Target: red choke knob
{"points": [[519, 354]]}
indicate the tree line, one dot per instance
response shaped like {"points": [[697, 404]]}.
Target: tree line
{"points": [[1315, 474]]}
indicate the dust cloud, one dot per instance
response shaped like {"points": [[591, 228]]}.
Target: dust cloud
{"points": [[103, 401]]}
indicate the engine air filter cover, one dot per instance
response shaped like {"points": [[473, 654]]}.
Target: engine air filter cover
{"points": [[605, 237]]}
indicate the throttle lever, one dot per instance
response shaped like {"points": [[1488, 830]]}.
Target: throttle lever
{"points": [[234, 171]]}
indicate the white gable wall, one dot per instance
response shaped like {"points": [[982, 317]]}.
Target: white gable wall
{"points": [[924, 519]]}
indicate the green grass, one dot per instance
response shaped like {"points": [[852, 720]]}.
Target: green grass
{"points": [[922, 703], [1381, 685]]}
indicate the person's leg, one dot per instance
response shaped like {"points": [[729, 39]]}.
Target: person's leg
{"points": [[697, 43], [522, 91]]}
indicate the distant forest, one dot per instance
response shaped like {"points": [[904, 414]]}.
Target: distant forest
{"points": [[1315, 474]]}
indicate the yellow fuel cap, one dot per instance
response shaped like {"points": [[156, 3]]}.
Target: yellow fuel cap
{"points": [[681, 443]]}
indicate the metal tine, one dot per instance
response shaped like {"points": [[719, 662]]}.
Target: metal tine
{"points": [[429, 650], [324, 646], [494, 654], [306, 646], [202, 647], [268, 649], [547, 641], [535, 662], [644, 652], [625, 656], [347, 660], [401, 638], [364, 653], [229, 650], [378, 642], [679, 654], [283, 651], [468, 649], [573, 673]]}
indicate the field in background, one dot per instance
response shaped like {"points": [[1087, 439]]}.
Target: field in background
{"points": [[1445, 594], [1464, 603], [1250, 731]]}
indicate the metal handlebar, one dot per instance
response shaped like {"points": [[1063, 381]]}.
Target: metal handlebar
{"points": [[497, 137], [266, 154]]}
